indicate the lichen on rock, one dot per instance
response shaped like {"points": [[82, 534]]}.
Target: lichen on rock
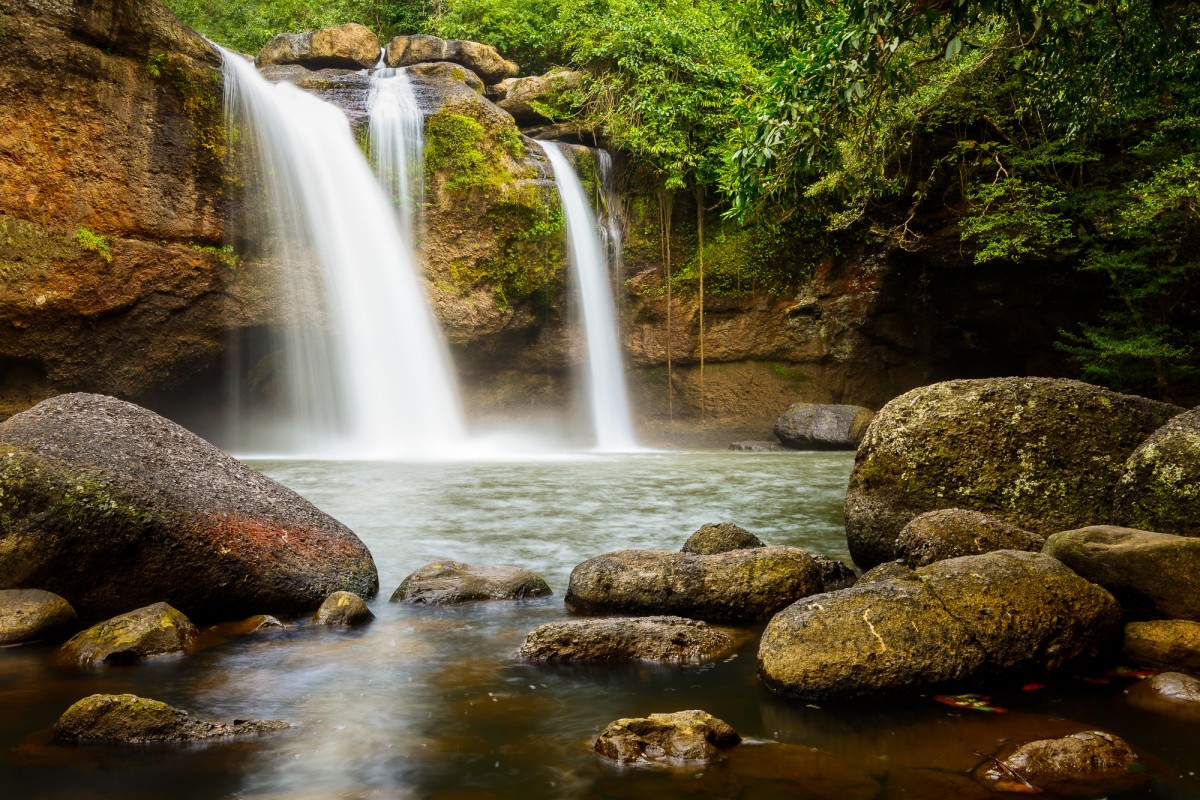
{"points": [[129, 719]]}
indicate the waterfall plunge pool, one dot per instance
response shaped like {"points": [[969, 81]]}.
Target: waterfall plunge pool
{"points": [[431, 703]]}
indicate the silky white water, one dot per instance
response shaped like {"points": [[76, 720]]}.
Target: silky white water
{"points": [[361, 365], [396, 130], [605, 371]]}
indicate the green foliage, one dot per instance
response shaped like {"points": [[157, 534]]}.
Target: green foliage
{"points": [[453, 147], [1013, 219], [224, 254], [744, 260], [94, 243]]}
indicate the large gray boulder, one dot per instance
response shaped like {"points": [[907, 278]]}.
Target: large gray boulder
{"points": [[484, 61], [27, 614], [1160, 487], [739, 585], [673, 639], [1040, 453], [954, 532], [1005, 613], [113, 507], [1147, 571], [129, 719], [348, 46], [155, 630], [447, 582], [679, 736], [813, 426]]}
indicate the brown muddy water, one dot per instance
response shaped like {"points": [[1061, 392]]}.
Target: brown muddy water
{"points": [[432, 703]]}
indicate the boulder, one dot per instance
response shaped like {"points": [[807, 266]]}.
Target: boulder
{"points": [[1160, 487], [1177, 688], [953, 532], [344, 609], [484, 61], [751, 446], [1147, 571], [1086, 764], [348, 89], [445, 582], [447, 73], [27, 614], [813, 426], [680, 736], [155, 630], [720, 537], [741, 585], [114, 507], [1173, 694], [673, 639], [127, 718], [537, 98], [1006, 613], [1040, 453], [348, 46], [1165, 644]]}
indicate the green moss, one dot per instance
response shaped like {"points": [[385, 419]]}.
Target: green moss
{"points": [[94, 243], [200, 96], [225, 254], [28, 251], [788, 373], [455, 147]]}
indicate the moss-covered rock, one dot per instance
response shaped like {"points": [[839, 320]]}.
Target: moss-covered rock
{"points": [[344, 609], [155, 630], [127, 718], [1040, 453], [953, 532], [953, 622], [720, 537], [1160, 488], [1164, 644], [27, 614], [680, 736], [447, 582], [673, 639]]}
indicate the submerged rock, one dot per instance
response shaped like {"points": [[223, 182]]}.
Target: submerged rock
{"points": [[1005, 613], [1040, 453], [720, 537], [343, 609], [680, 736], [1171, 693], [1165, 643], [953, 532], [131, 719], [27, 614], [812, 426], [674, 639], [1085, 764], [1160, 487], [348, 46], [114, 507], [484, 61], [740, 585], [758, 447], [1145, 570], [154, 630], [447, 582]]}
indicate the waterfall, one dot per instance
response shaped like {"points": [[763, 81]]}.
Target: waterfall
{"points": [[396, 136], [606, 373], [362, 368]]}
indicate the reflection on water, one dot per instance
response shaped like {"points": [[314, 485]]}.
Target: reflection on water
{"points": [[430, 703]]}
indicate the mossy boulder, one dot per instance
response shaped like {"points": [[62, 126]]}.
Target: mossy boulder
{"points": [[1164, 644], [155, 630], [720, 537], [1040, 453], [538, 98], [672, 639], [27, 614], [1160, 487], [114, 507], [484, 60], [447, 582], [348, 46], [1149, 572], [739, 585], [954, 622], [679, 736], [1085, 764], [813, 426], [953, 532], [127, 718], [343, 609]]}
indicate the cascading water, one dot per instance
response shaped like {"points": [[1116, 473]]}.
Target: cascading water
{"points": [[372, 378], [396, 136], [606, 373]]}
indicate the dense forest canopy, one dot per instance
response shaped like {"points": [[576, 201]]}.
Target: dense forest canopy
{"points": [[1059, 132]]}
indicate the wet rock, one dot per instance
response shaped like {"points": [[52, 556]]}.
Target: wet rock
{"points": [[1085, 764], [27, 614], [680, 736], [447, 582], [1177, 688], [131, 719], [1173, 694], [813, 426], [887, 571], [740, 585], [1005, 613], [673, 639], [446, 72], [481, 59], [1040, 453], [953, 532], [1167, 643], [343, 609], [758, 447], [155, 630], [1161, 482], [348, 89], [348, 46], [1146, 571], [720, 537], [537, 98], [114, 507]]}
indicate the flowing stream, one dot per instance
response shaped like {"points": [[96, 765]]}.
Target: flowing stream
{"points": [[397, 133], [364, 369]]}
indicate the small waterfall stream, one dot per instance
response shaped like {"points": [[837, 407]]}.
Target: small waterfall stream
{"points": [[606, 373], [372, 379], [397, 144]]}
